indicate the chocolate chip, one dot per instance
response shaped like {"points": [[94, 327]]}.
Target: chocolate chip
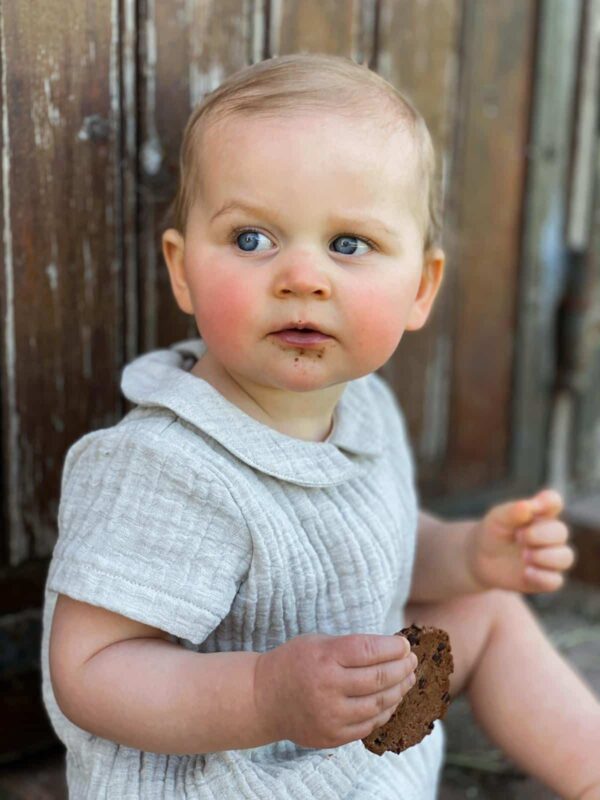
{"points": [[413, 639], [436, 657], [422, 683], [441, 646], [430, 726], [446, 697]]}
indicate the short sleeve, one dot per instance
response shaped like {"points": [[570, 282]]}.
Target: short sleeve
{"points": [[148, 534]]}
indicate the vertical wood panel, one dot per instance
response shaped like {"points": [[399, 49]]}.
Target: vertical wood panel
{"points": [[417, 52], [60, 288], [188, 48], [487, 180], [543, 263], [340, 27]]}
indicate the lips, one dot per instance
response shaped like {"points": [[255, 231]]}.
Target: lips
{"points": [[303, 338], [309, 327]]}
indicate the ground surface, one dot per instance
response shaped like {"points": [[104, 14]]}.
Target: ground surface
{"points": [[474, 768]]}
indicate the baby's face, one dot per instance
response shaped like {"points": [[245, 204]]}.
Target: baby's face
{"points": [[312, 220]]}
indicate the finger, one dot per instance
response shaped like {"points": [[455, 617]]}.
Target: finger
{"points": [[372, 706], [363, 728], [361, 681], [364, 649], [548, 502], [555, 558], [544, 534], [543, 580], [516, 513]]}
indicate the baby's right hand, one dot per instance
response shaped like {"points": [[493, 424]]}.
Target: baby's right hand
{"points": [[324, 691]]}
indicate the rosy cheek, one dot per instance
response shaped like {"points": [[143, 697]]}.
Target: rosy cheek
{"points": [[224, 308], [377, 320]]}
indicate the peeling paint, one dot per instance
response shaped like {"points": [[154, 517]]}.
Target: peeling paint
{"points": [[151, 156], [53, 111], [203, 82], [52, 274]]}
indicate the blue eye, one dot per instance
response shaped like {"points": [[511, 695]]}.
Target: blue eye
{"points": [[350, 246], [248, 240]]}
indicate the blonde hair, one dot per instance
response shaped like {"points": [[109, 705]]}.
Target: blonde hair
{"points": [[303, 81]]}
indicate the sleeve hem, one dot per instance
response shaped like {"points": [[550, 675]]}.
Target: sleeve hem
{"points": [[152, 606]]}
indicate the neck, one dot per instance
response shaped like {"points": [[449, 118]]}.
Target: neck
{"points": [[302, 415]]}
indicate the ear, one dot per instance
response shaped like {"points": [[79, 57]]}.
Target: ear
{"points": [[173, 247], [431, 280]]}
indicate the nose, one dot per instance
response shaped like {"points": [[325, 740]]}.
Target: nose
{"points": [[301, 273]]}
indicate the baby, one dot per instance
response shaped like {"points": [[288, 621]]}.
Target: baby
{"points": [[236, 553]]}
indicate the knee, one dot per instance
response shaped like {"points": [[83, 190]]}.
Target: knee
{"points": [[500, 604], [501, 607]]}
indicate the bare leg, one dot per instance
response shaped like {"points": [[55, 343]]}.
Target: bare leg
{"points": [[523, 693]]}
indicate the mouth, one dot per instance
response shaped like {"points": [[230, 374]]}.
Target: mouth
{"points": [[302, 334]]}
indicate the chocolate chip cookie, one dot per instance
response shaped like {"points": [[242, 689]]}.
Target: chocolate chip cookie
{"points": [[426, 701]]}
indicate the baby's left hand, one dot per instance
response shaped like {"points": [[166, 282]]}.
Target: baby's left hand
{"points": [[522, 546]]}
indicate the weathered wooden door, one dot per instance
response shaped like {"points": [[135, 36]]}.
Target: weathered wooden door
{"points": [[94, 98]]}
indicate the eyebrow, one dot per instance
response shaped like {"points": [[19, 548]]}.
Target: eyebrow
{"points": [[366, 222]]}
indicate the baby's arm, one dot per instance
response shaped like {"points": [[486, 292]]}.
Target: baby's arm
{"points": [[442, 564], [124, 681]]}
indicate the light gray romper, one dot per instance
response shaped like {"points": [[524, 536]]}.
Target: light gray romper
{"points": [[191, 516]]}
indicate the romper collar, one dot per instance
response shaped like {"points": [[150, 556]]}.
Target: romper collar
{"points": [[162, 378]]}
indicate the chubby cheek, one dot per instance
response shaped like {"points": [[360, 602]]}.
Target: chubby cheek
{"points": [[378, 320], [224, 314]]}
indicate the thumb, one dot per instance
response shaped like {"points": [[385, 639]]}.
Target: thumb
{"points": [[516, 513]]}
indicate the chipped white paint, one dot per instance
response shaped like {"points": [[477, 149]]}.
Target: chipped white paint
{"points": [[52, 275], [203, 82], [17, 543], [45, 114], [151, 156], [113, 67], [53, 110], [201, 79]]}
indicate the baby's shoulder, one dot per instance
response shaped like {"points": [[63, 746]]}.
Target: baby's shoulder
{"points": [[147, 441]]}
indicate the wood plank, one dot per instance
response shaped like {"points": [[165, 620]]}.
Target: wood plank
{"points": [[322, 26], [583, 302], [484, 255], [188, 47], [543, 263], [585, 453], [60, 286], [417, 51]]}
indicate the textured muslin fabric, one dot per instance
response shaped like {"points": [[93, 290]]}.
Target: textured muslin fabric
{"points": [[193, 517]]}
